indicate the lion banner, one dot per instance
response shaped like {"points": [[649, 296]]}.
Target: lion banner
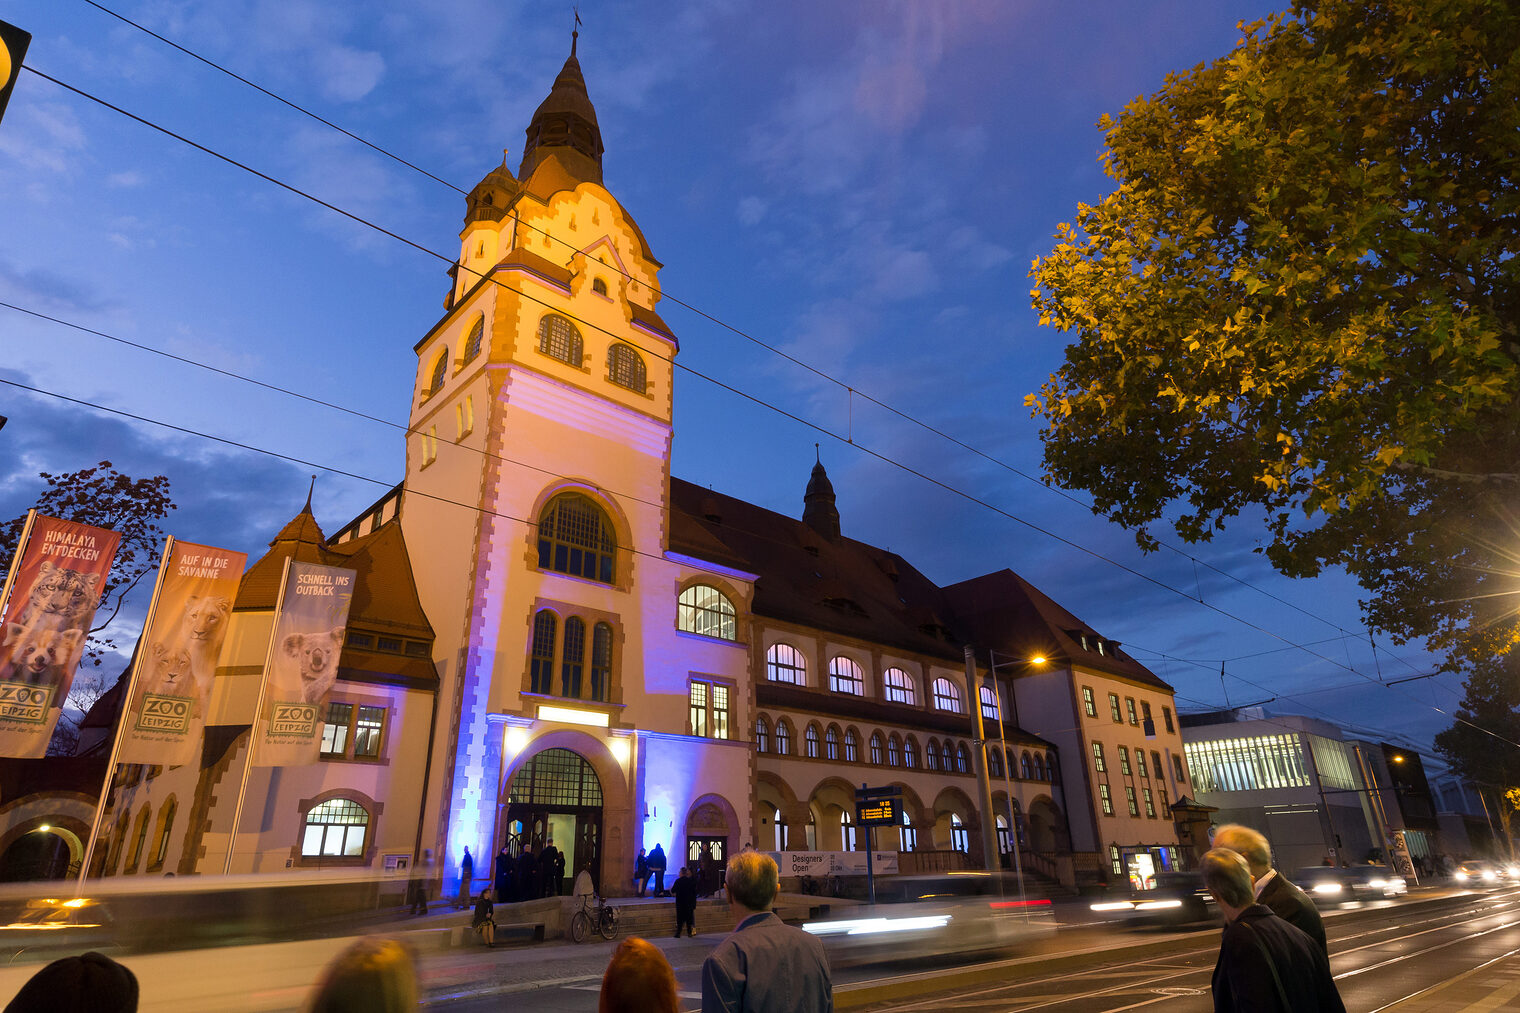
{"points": [[58, 577], [177, 655], [302, 663]]}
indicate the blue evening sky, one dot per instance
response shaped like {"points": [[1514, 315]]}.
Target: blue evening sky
{"points": [[858, 185]]}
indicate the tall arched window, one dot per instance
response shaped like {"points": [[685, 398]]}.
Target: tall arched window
{"points": [[931, 755], [845, 677], [877, 751], [846, 830], [947, 696], [575, 537], [962, 758], [1050, 767], [910, 753], [601, 662], [810, 742], [946, 759], [472, 343], [831, 743], [541, 667], [707, 611], [336, 827], [573, 664], [959, 839], [762, 734], [1039, 766], [1026, 771], [625, 367], [559, 338], [994, 762], [440, 371], [139, 838], [899, 686], [784, 663], [989, 703], [851, 746], [894, 751], [165, 828], [783, 737]]}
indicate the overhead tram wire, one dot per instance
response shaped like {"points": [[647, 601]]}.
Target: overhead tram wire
{"points": [[773, 349], [712, 380]]}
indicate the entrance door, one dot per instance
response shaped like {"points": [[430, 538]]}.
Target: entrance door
{"points": [[556, 797], [707, 858]]}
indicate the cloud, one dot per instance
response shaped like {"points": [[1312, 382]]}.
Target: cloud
{"points": [[43, 137], [750, 210], [125, 180], [39, 288], [346, 74]]}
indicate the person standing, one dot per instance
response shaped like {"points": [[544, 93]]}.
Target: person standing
{"points": [[417, 887], [1271, 888], [559, 872], [466, 874], [527, 873], [764, 965], [657, 868], [502, 876], [685, 891], [641, 873], [546, 865], [1265, 964]]}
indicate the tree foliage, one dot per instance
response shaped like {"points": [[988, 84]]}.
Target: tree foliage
{"points": [[104, 497], [1301, 299], [1478, 743]]}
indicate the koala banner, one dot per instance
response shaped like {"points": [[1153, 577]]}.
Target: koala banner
{"points": [[303, 662], [59, 573], [176, 658]]}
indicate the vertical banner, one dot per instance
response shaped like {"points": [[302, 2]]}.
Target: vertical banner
{"points": [[303, 663], [176, 659], [60, 572]]}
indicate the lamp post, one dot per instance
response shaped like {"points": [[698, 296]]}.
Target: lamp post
{"points": [[1013, 703], [974, 699]]}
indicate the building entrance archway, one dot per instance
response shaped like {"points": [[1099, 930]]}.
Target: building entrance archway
{"points": [[39, 855], [554, 798]]}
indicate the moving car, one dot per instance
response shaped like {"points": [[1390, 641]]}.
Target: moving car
{"points": [[1339, 885], [1481, 872], [1177, 899]]}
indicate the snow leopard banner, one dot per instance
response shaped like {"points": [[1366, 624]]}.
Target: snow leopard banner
{"points": [[302, 663], [57, 578], [178, 652]]}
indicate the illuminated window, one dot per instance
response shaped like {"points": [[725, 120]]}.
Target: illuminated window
{"points": [[899, 686], [947, 697], [1129, 795], [1166, 714], [846, 830], [625, 367], [708, 704], [472, 343], [810, 742], [946, 761], [959, 839], [1150, 804], [575, 537], [541, 668], [1106, 800], [931, 755], [1124, 761], [962, 758], [352, 726], [831, 743], [851, 746], [440, 370], [783, 737], [1129, 705], [784, 663], [335, 828], [1140, 764], [573, 658], [1098, 763], [845, 677], [907, 837], [762, 735], [601, 662], [989, 703], [335, 730], [1039, 768], [894, 751], [994, 762], [706, 611], [1114, 860], [877, 751], [1089, 704], [559, 338], [1026, 767], [910, 752], [1113, 707]]}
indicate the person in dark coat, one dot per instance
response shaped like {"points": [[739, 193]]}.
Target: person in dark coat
{"points": [[503, 878], [466, 873], [1264, 963], [559, 872], [641, 873], [657, 868], [546, 866], [685, 891], [1287, 901], [527, 873], [484, 921]]}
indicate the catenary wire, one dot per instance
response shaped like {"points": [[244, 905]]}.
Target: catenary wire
{"points": [[847, 439]]}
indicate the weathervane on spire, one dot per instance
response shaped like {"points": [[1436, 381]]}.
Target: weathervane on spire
{"points": [[575, 31]]}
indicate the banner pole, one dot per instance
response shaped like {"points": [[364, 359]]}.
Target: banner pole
{"points": [[253, 727], [10, 575], [121, 718]]}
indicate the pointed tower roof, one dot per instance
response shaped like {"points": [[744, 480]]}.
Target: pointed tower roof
{"points": [[819, 511], [564, 128]]}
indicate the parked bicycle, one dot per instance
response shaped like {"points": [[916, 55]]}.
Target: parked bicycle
{"points": [[602, 918]]}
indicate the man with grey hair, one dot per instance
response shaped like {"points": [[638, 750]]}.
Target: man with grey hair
{"points": [[1287, 901], [764, 965], [1264, 963]]}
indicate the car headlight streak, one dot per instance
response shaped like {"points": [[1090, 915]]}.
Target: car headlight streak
{"points": [[1327, 888], [873, 926]]}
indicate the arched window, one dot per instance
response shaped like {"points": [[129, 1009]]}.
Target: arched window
{"points": [[947, 696], [573, 664], [962, 758], [575, 537], [894, 750], [1039, 767], [783, 737], [336, 827], [472, 343], [599, 286], [1026, 770], [989, 703], [846, 830], [959, 839], [851, 746], [946, 758], [784, 663], [601, 662], [165, 828], [877, 752], [762, 735], [561, 339], [1013, 763], [1050, 767], [931, 755], [625, 367], [899, 686], [845, 677], [907, 836], [910, 753], [831, 743], [994, 762], [541, 668], [705, 610], [440, 370], [810, 742], [139, 838]]}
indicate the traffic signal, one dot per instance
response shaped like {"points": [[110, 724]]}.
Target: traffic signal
{"points": [[13, 43]]}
